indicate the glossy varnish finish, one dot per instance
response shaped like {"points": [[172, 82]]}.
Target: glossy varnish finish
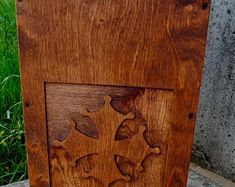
{"points": [[139, 44], [118, 134]]}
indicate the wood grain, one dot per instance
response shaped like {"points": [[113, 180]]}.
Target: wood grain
{"points": [[156, 44], [131, 127]]}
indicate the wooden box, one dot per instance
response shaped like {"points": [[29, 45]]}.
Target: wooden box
{"points": [[110, 89]]}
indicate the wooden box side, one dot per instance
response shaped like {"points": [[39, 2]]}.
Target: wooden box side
{"points": [[158, 44]]}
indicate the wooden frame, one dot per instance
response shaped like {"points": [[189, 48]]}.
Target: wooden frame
{"points": [[156, 44]]}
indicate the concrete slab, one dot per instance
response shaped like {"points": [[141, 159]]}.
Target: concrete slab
{"points": [[199, 177], [196, 180], [18, 184]]}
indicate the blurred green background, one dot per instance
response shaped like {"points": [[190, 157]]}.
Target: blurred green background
{"points": [[13, 165]]}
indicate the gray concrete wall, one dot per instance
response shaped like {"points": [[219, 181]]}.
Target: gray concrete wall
{"points": [[214, 142]]}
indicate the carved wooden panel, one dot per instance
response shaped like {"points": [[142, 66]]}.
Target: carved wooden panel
{"points": [[146, 56], [107, 136]]}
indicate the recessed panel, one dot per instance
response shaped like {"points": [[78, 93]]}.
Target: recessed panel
{"points": [[106, 135]]}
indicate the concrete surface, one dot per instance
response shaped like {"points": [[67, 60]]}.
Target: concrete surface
{"points": [[196, 180], [214, 145], [198, 177]]}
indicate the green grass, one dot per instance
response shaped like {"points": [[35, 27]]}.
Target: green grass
{"points": [[13, 166]]}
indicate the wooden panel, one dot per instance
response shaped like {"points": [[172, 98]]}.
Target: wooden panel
{"points": [[121, 141], [115, 39], [157, 44]]}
